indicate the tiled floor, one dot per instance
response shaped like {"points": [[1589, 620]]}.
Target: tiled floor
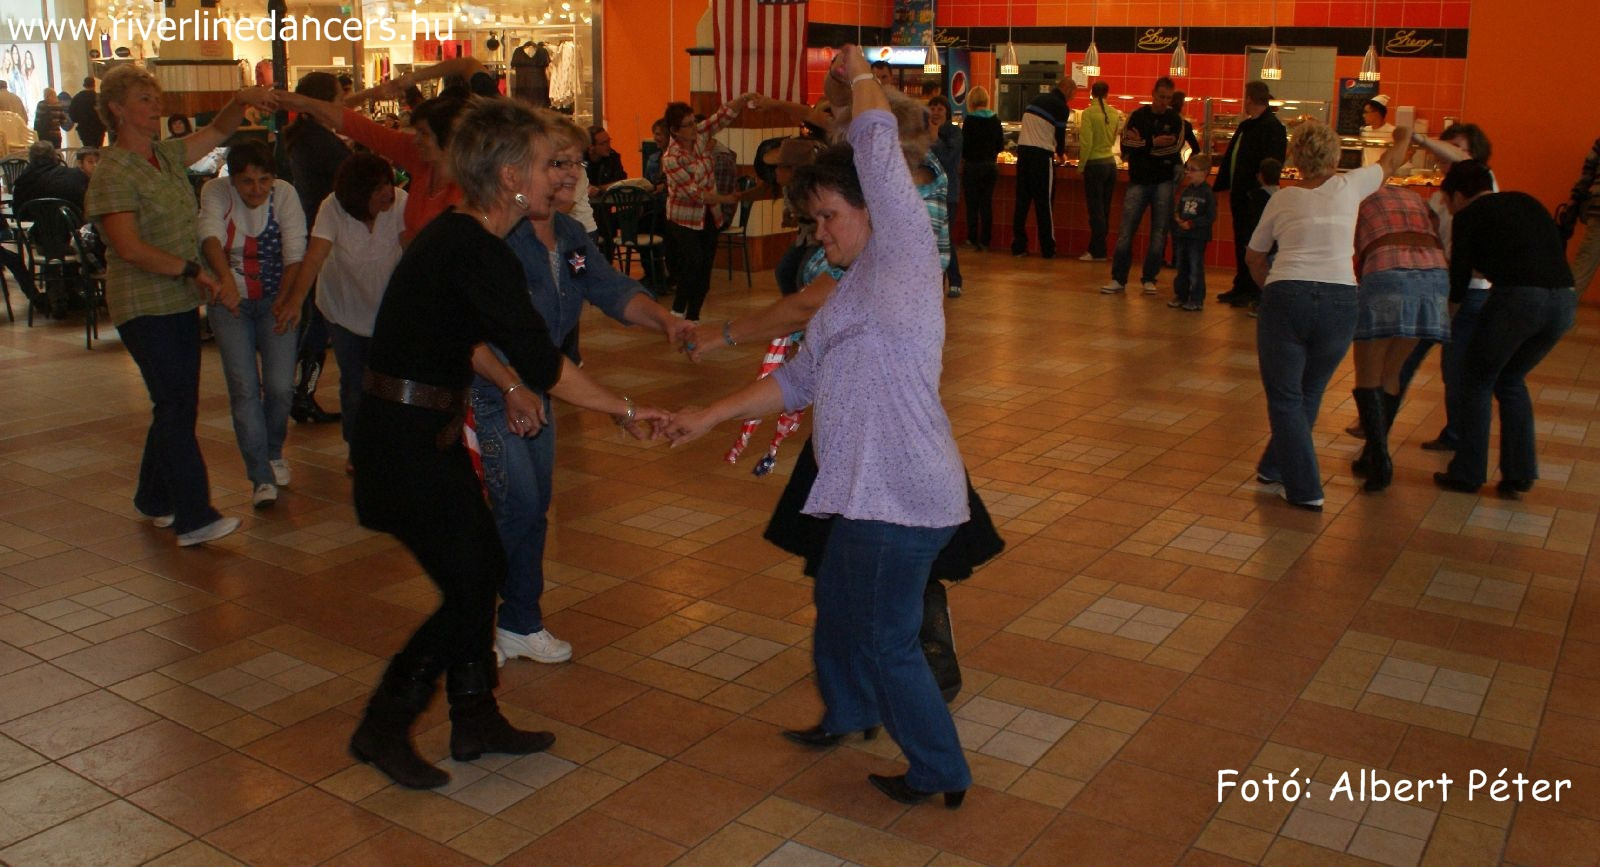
{"points": [[1158, 616]]}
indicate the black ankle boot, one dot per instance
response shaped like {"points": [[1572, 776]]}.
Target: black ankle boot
{"points": [[384, 737], [476, 725], [1375, 457], [899, 790], [817, 736], [305, 409]]}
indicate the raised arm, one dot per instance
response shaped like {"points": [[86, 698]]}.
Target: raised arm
{"points": [[211, 136], [395, 88], [1395, 156], [1443, 151]]}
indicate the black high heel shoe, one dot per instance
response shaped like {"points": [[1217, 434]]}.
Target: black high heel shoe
{"points": [[896, 788], [817, 737]]}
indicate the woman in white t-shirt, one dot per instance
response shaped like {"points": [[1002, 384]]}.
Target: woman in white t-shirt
{"points": [[1307, 316], [354, 247]]}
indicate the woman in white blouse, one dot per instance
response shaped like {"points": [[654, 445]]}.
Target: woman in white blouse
{"points": [[354, 247], [253, 235]]}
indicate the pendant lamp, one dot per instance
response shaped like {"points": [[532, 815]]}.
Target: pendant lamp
{"points": [[1008, 56], [1180, 57], [1369, 62], [1271, 66], [1091, 56], [930, 55]]}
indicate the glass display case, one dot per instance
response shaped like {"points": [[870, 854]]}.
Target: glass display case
{"points": [[1222, 117]]}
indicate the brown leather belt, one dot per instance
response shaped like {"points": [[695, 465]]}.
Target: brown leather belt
{"points": [[1402, 239], [412, 393]]}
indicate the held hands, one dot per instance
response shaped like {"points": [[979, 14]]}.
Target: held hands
{"points": [[221, 292], [697, 342], [264, 98], [647, 420], [685, 425], [524, 412], [285, 315]]}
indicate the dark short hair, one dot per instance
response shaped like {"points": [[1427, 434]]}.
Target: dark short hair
{"points": [[595, 131], [660, 123], [413, 96], [359, 176], [1179, 96], [347, 81], [1163, 81], [440, 115], [1099, 89], [88, 81], [1257, 92], [1469, 178], [1477, 142], [880, 64], [835, 171], [674, 115], [1271, 171], [251, 152], [85, 153], [939, 100], [318, 85]]}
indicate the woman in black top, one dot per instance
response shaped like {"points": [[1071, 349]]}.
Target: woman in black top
{"points": [[457, 286], [982, 140], [1512, 241]]}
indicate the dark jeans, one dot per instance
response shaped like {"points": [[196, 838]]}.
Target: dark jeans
{"points": [[1099, 181], [1451, 359], [1036, 176], [172, 475], [1158, 198], [1245, 219], [870, 665], [692, 252], [519, 473], [1518, 328], [1190, 284], [978, 179], [350, 351], [1303, 330]]}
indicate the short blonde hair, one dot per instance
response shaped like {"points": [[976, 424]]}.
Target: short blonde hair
{"points": [[564, 130], [119, 84], [491, 134], [978, 97], [1315, 150]]}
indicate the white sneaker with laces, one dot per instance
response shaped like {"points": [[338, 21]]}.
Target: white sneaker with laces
{"points": [[1112, 288], [280, 472], [209, 533], [266, 494], [538, 646], [1150, 287]]}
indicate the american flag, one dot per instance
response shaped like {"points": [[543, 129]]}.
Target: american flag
{"points": [[760, 47]]}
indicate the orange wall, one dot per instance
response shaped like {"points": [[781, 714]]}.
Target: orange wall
{"points": [[1528, 54], [646, 66]]}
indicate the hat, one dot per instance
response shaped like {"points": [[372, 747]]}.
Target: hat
{"points": [[1381, 99]]}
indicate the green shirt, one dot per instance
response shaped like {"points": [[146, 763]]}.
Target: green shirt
{"points": [[163, 204], [1097, 129]]}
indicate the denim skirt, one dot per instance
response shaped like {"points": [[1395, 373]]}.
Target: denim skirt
{"points": [[1403, 302]]}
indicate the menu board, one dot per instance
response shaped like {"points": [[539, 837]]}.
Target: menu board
{"points": [[1354, 94]]}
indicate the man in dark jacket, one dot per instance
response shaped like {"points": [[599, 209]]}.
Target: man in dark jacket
{"points": [[46, 177], [91, 130], [1260, 136], [1044, 135]]}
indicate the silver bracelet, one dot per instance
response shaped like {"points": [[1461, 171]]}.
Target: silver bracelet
{"points": [[627, 417], [506, 392], [865, 76]]}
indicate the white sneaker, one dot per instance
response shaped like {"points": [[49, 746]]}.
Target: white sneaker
{"points": [[1149, 287], [265, 495], [1090, 257], [1112, 288], [209, 533], [160, 521], [539, 646], [280, 472]]}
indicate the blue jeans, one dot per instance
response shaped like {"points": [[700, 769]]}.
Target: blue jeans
{"points": [[172, 475], [260, 398], [1518, 328], [1158, 198], [1190, 284], [870, 666], [1303, 330], [1451, 359], [519, 473], [350, 350]]}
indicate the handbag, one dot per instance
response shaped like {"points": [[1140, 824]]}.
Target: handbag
{"points": [[939, 641]]}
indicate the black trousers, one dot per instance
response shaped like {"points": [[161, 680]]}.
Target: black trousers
{"points": [[1245, 218], [978, 180], [692, 252], [1099, 181], [1036, 187]]}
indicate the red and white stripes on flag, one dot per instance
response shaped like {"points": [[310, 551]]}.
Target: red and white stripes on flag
{"points": [[760, 47]]}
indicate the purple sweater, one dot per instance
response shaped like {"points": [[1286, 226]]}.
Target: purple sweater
{"points": [[871, 360]]}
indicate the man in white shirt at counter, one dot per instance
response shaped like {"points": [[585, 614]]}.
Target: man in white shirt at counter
{"points": [[1044, 135]]}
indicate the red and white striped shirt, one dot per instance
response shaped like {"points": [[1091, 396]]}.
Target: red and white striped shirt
{"points": [[691, 172]]}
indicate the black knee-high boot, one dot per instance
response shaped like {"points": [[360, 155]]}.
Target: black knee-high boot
{"points": [[384, 737], [1374, 422], [305, 409], [476, 725]]}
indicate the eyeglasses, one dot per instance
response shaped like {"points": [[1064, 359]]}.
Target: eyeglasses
{"points": [[562, 165]]}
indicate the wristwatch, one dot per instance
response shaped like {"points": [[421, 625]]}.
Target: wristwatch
{"points": [[191, 269]]}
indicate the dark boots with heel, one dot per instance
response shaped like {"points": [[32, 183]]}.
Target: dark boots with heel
{"points": [[305, 409], [1375, 406], [476, 725], [384, 737]]}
